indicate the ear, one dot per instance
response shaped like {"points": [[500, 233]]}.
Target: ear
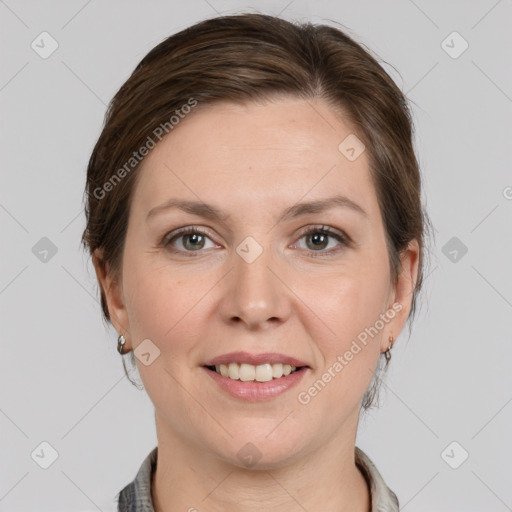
{"points": [[402, 293], [113, 293]]}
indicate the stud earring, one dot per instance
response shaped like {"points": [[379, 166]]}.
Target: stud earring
{"points": [[120, 344]]}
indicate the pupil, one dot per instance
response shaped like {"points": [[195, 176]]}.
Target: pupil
{"points": [[196, 239], [318, 240]]}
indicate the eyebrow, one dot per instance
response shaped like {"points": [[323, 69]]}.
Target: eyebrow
{"points": [[211, 212]]}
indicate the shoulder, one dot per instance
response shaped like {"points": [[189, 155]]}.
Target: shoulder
{"points": [[136, 496], [383, 498]]}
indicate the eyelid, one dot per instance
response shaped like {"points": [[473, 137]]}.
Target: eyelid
{"points": [[343, 239], [182, 231], [187, 230], [327, 229]]}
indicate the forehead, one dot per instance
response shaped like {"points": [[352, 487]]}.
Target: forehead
{"points": [[255, 154]]}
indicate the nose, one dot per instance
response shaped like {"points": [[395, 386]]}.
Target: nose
{"points": [[255, 294]]}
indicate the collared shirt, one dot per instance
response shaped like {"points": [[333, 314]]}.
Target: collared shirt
{"points": [[136, 496]]}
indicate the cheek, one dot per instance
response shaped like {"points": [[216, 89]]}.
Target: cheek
{"points": [[345, 301], [346, 359], [161, 303], [345, 308]]}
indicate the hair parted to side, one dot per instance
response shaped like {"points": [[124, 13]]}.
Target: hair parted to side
{"points": [[256, 57]]}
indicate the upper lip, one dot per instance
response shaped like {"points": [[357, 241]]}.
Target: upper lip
{"points": [[255, 359]]}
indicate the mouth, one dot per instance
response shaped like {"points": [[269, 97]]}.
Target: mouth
{"points": [[246, 372], [246, 367], [255, 381]]}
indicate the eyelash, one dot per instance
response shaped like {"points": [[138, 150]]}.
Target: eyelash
{"points": [[324, 230]]}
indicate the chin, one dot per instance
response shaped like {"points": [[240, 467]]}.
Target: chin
{"points": [[261, 451]]}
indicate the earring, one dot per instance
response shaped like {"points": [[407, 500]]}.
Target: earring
{"points": [[120, 344], [388, 351]]}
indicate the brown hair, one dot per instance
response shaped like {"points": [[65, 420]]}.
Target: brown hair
{"points": [[255, 57]]}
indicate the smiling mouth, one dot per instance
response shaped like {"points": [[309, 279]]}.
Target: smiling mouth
{"points": [[254, 373]]}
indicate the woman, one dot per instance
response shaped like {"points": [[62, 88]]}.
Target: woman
{"points": [[255, 222]]}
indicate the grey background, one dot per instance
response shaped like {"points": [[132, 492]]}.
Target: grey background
{"points": [[61, 379]]}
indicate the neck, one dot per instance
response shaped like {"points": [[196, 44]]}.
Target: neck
{"points": [[190, 479]]}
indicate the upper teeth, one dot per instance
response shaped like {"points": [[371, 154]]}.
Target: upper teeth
{"points": [[248, 372]]}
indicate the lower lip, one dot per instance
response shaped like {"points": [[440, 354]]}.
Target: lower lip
{"points": [[255, 391]]}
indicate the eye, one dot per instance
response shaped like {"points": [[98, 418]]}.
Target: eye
{"points": [[317, 239], [191, 240]]}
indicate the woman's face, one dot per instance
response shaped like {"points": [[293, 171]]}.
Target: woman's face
{"points": [[253, 282]]}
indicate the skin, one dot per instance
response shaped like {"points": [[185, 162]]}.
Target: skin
{"points": [[253, 161]]}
